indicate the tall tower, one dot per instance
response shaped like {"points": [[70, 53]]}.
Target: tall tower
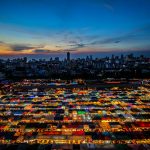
{"points": [[68, 56]]}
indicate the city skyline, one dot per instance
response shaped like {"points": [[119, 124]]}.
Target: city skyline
{"points": [[42, 28]]}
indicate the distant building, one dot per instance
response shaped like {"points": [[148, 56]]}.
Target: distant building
{"points": [[56, 58], [91, 58], [25, 59], [68, 56]]}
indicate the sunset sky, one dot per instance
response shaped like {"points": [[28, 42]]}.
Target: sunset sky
{"points": [[53, 27]]}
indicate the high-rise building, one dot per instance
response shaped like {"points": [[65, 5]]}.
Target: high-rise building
{"points": [[68, 56], [91, 58], [25, 59], [56, 58]]}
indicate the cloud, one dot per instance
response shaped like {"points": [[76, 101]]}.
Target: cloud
{"points": [[77, 46], [135, 34], [58, 46], [72, 42], [80, 45], [45, 51], [20, 47], [69, 50], [144, 28], [117, 41], [72, 46], [109, 40], [1, 42], [79, 40], [41, 51]]}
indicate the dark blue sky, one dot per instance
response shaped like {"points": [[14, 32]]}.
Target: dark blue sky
{"points": [[80, 26]]}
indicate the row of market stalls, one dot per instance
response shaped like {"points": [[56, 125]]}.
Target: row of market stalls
{"points": [[62, 115]]}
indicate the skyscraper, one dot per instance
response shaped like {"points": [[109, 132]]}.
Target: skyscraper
{"points": [[68, 56]]}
